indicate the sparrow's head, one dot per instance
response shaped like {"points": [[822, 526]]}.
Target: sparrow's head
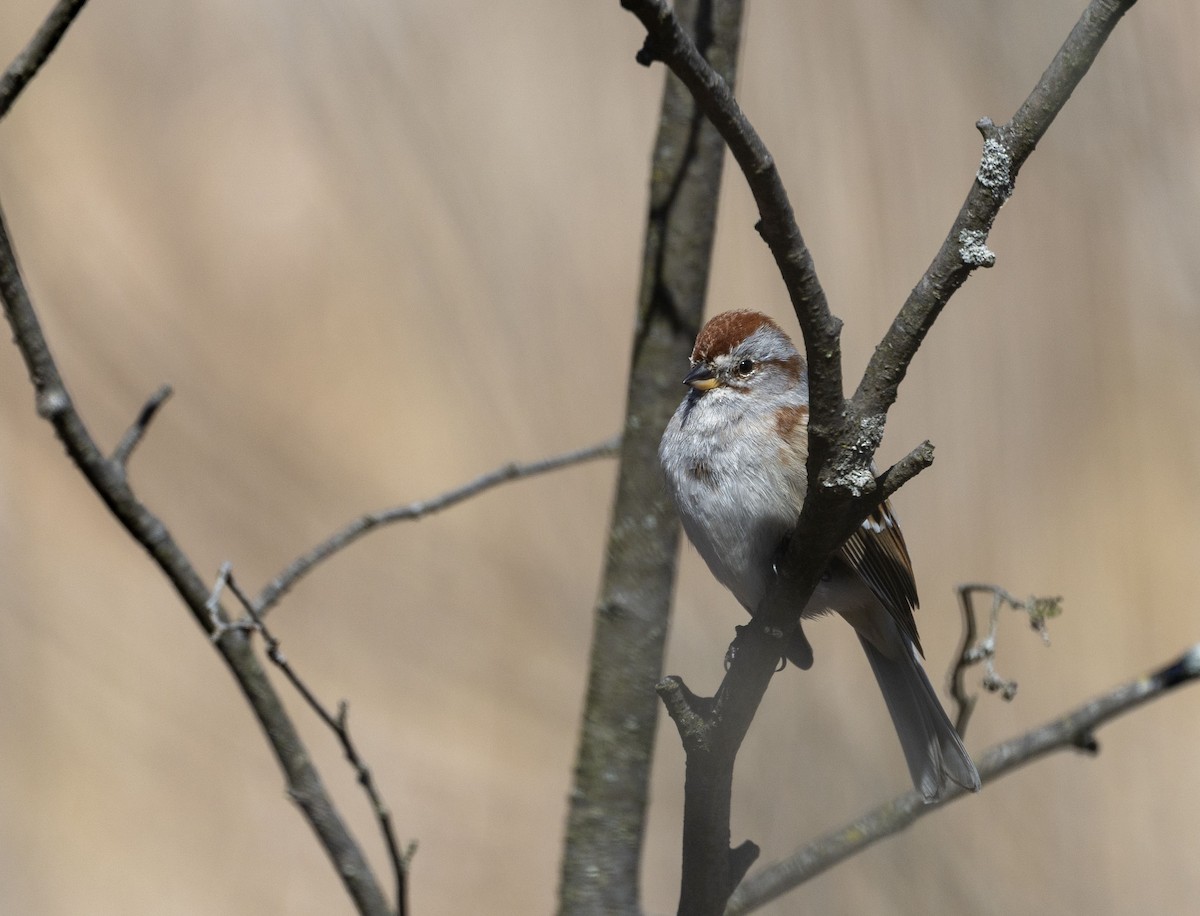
{"points": [[745, 353]]}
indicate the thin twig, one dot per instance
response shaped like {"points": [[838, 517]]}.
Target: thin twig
{"points": [[1074, 730], [137, 429], [304, 564], [26, 64], [219, 622], [339, 724], [904, 470]]}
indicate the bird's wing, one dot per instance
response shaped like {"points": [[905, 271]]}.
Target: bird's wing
{"points": [[877, 554]]}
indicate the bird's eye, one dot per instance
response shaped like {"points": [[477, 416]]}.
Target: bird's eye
{"points": [[745, 367]]}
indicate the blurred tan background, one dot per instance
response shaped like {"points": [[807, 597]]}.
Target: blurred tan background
{"points": [[381, 247]]}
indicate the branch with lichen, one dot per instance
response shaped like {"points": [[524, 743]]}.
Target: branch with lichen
{"points": [[1005, 149]]}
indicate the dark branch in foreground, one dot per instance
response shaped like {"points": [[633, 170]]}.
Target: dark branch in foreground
{"points": [[304, 564], [843, 434], [1074, 730], [339, 724], [26, 65]]}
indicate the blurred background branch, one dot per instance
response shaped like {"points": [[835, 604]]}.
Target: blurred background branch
{"points": [[606, 826]]}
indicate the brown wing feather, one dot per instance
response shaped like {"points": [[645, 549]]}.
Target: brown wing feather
{"points": [[876, 552]]}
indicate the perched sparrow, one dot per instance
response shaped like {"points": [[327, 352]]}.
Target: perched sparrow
{"points": [[734, 457]]}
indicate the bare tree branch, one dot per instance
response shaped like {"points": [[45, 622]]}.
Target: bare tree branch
{"points": [[1074, 730], [26, 65], [107, 478], [304, 564]]}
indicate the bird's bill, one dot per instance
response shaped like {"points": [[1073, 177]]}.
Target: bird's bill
{"points": [[701, 378]]}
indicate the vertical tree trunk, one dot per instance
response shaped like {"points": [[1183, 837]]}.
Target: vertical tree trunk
{"points": [[606, 822]]}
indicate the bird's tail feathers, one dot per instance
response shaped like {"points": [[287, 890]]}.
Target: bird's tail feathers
{"points": [[934, 752]]}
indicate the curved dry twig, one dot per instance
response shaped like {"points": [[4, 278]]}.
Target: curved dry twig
{"points": [[1074, 730], [26, 65], [973, 650], [306, 562]]}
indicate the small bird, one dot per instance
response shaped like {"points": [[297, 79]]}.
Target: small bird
{"points": [[734, 456]]}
